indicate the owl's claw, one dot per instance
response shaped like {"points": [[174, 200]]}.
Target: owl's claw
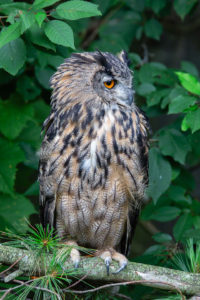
{"points": [[122, 267], [110, 254], [74, 253], [107, 262], [122, 260], [76, 264]]}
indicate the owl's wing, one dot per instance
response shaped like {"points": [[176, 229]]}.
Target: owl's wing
{"points": [[47, 202], [47, 197], [129, 231], [133, 215]]}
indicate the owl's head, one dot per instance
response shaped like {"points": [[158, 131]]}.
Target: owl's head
{"points": [[99, 75]]}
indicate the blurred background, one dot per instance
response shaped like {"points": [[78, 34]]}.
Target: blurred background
{"points": [[162, 38]]}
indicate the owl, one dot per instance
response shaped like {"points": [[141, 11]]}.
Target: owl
{"points": [[94, 156]]}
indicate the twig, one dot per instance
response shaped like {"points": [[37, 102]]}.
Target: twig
{"points": [[16, 287], [122, 296], [92, 33], [6, 293], [22, 283], [77, 282], [39, 288], [2, 23], [126, 283], [149, 227], [13, 275], [146, 54], [154, 276], [16, 262]]}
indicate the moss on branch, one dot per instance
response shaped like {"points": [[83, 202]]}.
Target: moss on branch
{"points": [[154, 276]]}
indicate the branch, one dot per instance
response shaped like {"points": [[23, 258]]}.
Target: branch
{"points": [[92, 32], [135, 273]]}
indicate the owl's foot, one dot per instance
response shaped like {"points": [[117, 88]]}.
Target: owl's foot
{"points": [[74, 254], [110, 254]]}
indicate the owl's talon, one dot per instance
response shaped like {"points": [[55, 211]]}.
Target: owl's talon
{"points": [[75, 256], [107, 262], [76, 264], [122, 267]]}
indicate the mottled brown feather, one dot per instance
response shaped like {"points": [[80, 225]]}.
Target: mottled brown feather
{"points": [[93, 159]]}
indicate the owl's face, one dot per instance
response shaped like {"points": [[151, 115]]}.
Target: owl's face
{"points": [[93, 77], [114, 84]]}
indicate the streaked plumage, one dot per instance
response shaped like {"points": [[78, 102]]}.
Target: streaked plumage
{"points": [[94, 156]]}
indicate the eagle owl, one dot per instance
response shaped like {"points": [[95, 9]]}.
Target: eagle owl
{"points": [[94, 156]]}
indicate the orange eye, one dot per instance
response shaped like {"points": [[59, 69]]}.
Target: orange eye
{"points": [[109, 84]]}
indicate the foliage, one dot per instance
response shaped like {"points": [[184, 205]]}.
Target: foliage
{"points": [[36, 36], [42, 242], [189, 259]]}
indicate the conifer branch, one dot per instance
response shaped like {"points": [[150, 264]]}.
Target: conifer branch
{"points": [[135, 273]]}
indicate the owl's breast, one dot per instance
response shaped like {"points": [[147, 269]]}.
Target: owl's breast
{"points": [[114, 149]]}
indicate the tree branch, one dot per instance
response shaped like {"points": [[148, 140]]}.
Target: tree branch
{"points": [[135, 273]]}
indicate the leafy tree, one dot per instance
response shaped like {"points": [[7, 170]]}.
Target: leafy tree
{"points": [[36, 36]]}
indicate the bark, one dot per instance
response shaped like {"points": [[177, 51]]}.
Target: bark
{"points": [[154, 276]]}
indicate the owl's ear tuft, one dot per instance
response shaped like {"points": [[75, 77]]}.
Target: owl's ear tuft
{"points": [[123, 56], [101, 59]]}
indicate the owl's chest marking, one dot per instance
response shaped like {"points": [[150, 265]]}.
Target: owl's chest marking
{"points": [[106, 124]]}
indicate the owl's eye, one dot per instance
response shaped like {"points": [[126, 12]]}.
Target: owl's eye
{"points": [[109, 84]]}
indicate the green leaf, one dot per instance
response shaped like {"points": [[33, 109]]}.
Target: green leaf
{"points": [[28, 19], [10, 156], [155, 97], [28, 88], [40, 17], [166, 77], [189, 82], [5, 1], [175, 172], [38, 37], [177, 194], [186, 180], [165, 213], [45, 59], [10, 33], [33, 190], [42, 110], [194, 143], [135, 59], [180, 103], [31, 157], [14, 209], [112, 43], [145, 88], [13, 56], [156, 5], [188, 67], [160, 174], [13, 117], [183, 7], [192, 121], [11, 7], [162, 237], [136, 5], [74, 10], [30, 135], [43, 76], [153, 29], [184, 223], [60, 33], [150, 71], [43, 3], [173, 143]]}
